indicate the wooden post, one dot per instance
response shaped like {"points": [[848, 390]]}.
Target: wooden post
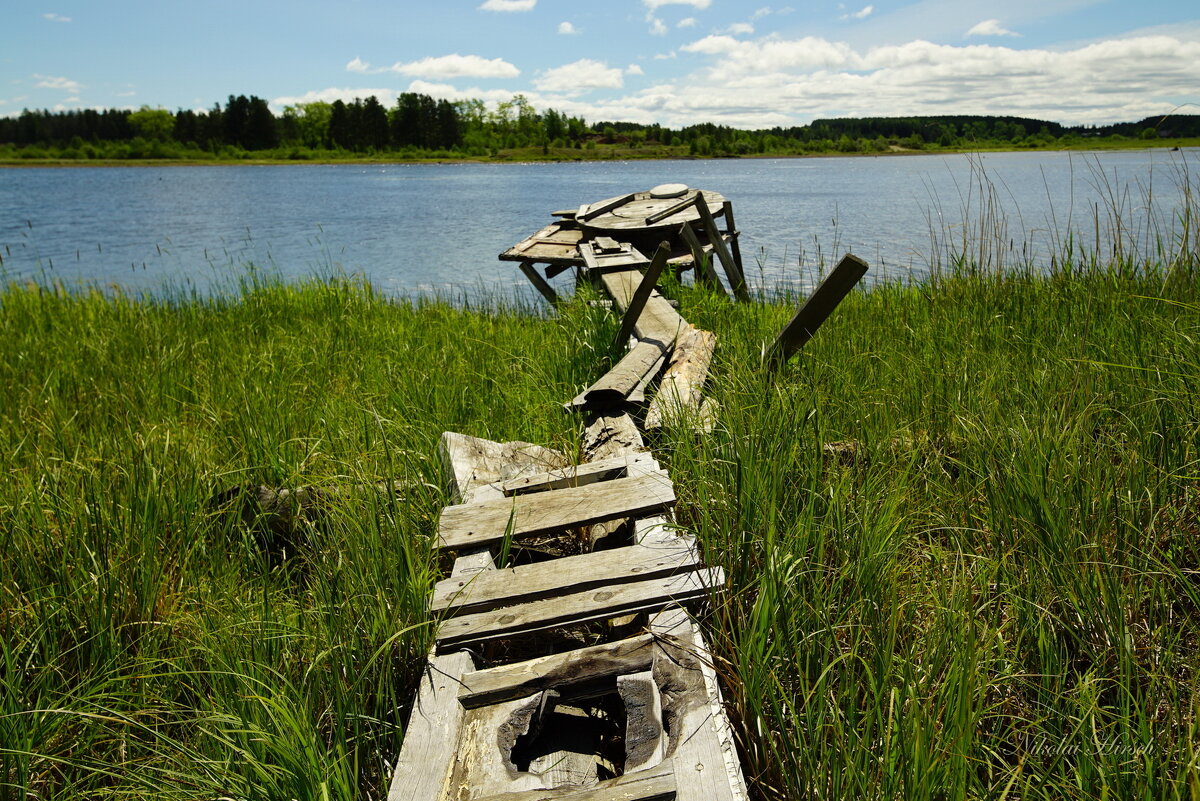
{"points": [[731, 229], [539, 283], [819, 306], [737, 281], [704, 268], [642, 293]]}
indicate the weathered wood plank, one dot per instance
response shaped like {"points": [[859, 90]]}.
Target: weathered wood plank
{"points": [[705, 757], [658, 320], [647, 785], [433, 732], [607, 435], [593, 604], [733, 234], [614, 387], [474, 525], [737, 281], [471, 463], [670, 211], [702, 259], [580, 475], [524, 583], [638, 395], [539, 283], [503, 683], [645, 740], [637, 302], [679, 391], [816, 309], [590, 211]]}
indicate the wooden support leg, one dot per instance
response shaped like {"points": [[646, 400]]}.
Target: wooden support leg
{"points": [[731, 229], [539, 283], [704, 268], [816, 309], [737, 281]]}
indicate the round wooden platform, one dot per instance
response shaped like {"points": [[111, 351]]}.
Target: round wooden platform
{"points": [[639, 212]]}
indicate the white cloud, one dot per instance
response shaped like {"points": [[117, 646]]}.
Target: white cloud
{"points": [[580, 76], [357, 65], [634, 69], [653, 4], [454, 66], [686, 22], [385, 96], [508, 5], [862, 13], [567, 28], [743, 28], [760, 13], [52, 82], [990, 27], [130, 93], [56, 17], [664, 56], [657, 26], [71, 99]]}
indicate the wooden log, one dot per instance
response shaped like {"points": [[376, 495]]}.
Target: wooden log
{"points": [[614, 387], [816, 309], [732, 231], [703, 261], [638, 395], [737, 281], [524, 583], [506, 682], [539, 283], [474, 525], [434, 728], [679, 392], [637, 302], [647, 785], [581, 607]]}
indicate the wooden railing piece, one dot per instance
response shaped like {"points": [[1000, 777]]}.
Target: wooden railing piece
{"points": [[582, 607], [503, 683], [483, 523], [647, 785], [505, 587], [816, 309], [679, 391]]}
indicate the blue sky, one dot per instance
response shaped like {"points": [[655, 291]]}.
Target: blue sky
{"points": [[675, 62]]}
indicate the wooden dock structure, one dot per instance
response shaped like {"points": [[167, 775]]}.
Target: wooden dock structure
{"points": [[576, 673]]}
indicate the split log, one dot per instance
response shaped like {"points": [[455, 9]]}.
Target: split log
{"points": [[679, 392]]}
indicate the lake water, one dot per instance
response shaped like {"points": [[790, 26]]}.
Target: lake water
{"points": [[437, 228]]}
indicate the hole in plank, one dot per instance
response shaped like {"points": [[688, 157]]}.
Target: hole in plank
{"points": [[578, 740]]}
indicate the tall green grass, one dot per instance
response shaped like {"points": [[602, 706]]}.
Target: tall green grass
{"points": [[986, 589]]}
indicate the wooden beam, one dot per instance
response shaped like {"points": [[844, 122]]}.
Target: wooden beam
{"points": [[704, 267], [816, 309], [503, 683], [646, 785], [659, 216], [593, 210], [581, 607], [737, 281], [640, 295], [645, 739], [539, 283], [475, 525], [679, 392], [460, 595], [615, 386], [732, 231], [658, 320]]}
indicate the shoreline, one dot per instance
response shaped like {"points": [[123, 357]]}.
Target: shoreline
{"points": [[1167, 145]]}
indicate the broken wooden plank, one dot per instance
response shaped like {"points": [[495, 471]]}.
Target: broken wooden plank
{"points": [[670, 211], [816, 310], [646, 785], [638, 395], [737, 281], [503, 683], [580, 475], [614, 387], [637, 302], [470, 463], [474, 525], [524, 583], [658, 320], [434, 727], [645, 740], [679, 391], [581, 607], [705, 758], [539, 283], [590, 211]]}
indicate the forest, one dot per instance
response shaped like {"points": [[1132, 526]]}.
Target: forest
{"points": [[419, 126]]}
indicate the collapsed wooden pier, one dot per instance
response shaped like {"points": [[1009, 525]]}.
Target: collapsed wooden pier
{"points": [[565, 663]]}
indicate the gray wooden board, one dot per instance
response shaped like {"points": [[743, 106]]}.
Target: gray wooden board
{"points": [[473, 525], [472, 464], [737, 281], [646, 785], [615, 386], [581, 474], [679, 391], [817, 309], [497, 588], [506, 682], [637, 300], [432, 735], [629, 213], [580, 607], [658, 320]]}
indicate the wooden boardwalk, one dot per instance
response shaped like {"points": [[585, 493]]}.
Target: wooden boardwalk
{"points": [[581, 675]]}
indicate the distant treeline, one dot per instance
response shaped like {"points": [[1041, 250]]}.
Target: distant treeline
{"points": [[418, 124]]}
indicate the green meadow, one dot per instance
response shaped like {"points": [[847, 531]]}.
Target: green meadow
{"points": [[961, 530]]}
